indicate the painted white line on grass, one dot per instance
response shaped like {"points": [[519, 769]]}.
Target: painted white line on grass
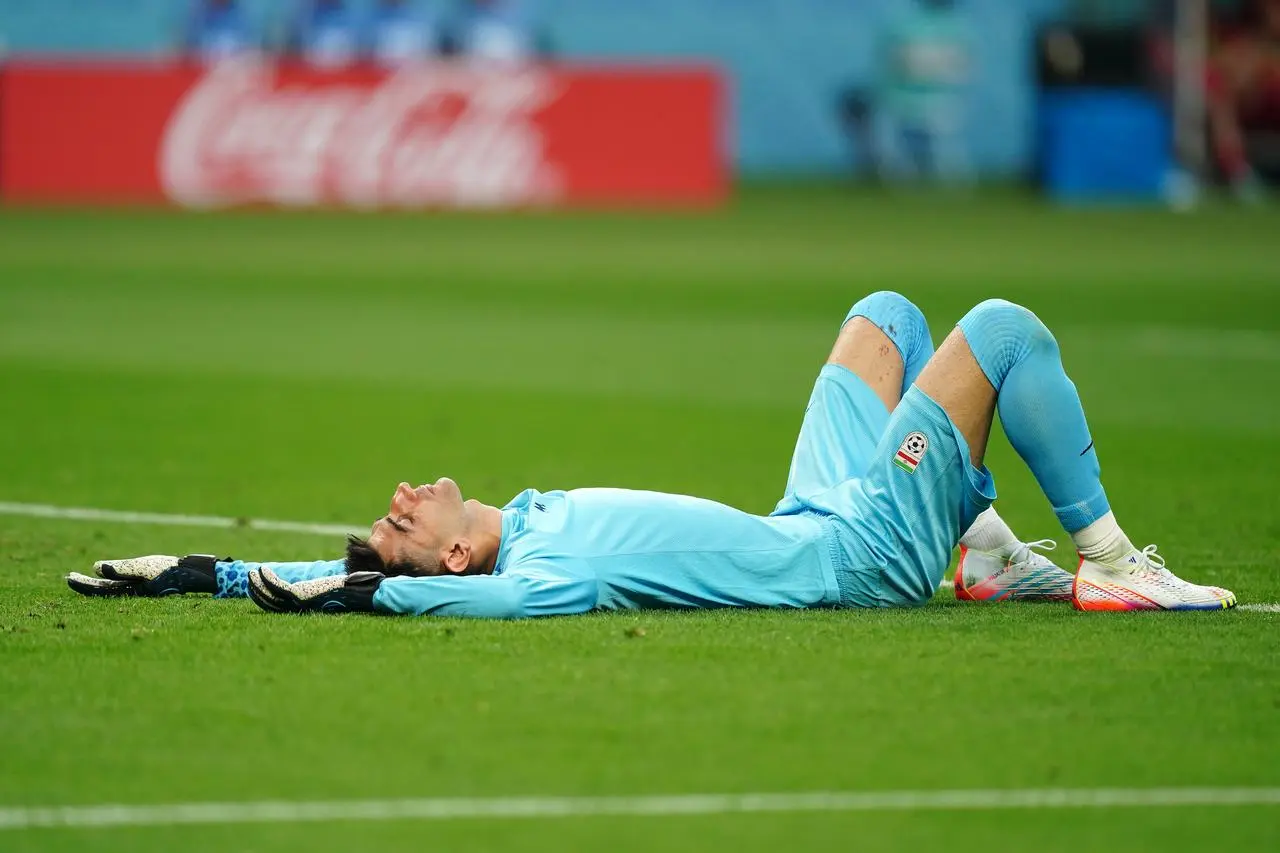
{"points": [[644, 806], [121, 517]]}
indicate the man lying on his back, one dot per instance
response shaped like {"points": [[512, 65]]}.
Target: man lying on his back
{"points": [[886, 476]]}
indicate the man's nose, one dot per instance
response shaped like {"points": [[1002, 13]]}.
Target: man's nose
{"points": [[405, 496]]}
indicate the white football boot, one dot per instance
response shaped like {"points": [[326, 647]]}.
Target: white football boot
{"points": [[1022, 576], [1140, 581]]}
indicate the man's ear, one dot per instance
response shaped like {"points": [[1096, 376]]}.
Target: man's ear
{"points": [[458, 558]]}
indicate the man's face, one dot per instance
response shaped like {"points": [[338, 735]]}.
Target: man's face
{"points": [[425, 526]]}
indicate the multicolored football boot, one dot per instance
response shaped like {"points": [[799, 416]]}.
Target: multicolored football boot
{"points": [[1024, 575], [1140, 581]]}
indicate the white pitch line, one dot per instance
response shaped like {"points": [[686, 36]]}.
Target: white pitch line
{"points": [[641, 806], [121, 517]]}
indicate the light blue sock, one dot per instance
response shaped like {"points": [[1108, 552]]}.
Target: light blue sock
{"points": [[233, 575], [904, 323], [1039, 408]]}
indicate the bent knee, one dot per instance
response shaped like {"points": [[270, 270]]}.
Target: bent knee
{"points": [[888, 306], [1005, 319], [1001, 333], [896, 316]]}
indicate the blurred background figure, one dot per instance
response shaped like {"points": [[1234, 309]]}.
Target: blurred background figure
{"points": [[215, 30], [324, 34], [501, 31], [1244, 98], [912, 125], [399, 32]]}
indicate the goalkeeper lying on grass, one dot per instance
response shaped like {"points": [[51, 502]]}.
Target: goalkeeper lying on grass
{"points": [[886, 476]]}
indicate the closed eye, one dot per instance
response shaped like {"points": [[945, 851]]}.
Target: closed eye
{"points": [[397, 525]]}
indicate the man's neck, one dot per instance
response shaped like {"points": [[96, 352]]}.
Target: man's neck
{"points": [[486, 535]]}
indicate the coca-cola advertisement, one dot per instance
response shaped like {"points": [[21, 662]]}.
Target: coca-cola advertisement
{"points": [[430, 135]]}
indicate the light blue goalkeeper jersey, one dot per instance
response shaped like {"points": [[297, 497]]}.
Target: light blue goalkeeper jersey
{"points": [[617, 549]]}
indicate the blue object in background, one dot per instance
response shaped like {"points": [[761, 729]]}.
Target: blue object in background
{"points": [[496, 30], [1104, 144], [216, 30], [399, 32], [326, 33], [788, 60]]}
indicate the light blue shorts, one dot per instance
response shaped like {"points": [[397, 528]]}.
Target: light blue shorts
{"points": [[897, 490]]}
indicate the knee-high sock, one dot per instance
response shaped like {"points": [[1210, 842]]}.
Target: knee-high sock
{"points": [[904, 324], [233, 576], [1039, 408]]}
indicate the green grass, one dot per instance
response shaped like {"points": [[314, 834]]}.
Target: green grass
{"points": [[297, 366]]}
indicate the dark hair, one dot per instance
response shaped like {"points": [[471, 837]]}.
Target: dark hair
{"points": [[362, 558]]}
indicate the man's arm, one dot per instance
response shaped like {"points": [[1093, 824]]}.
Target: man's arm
{"points": [[532, 592], [233, 575], [159, 575], [529, 593]]}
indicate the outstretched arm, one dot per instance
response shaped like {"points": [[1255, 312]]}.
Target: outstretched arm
{"points": [[233, 575], [159, 575]]}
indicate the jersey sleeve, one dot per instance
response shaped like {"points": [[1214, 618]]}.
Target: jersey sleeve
{"points": [[535, 591], [233, 576]]}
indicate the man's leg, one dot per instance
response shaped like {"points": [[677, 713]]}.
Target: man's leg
{"points": [[883, 345], [1002, 356], [886, 343], [995, 565]]}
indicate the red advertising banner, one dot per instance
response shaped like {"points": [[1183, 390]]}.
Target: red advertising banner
{"points": [[431, 135]]}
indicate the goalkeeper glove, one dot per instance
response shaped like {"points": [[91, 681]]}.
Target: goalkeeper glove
{"points": [[351, 593], [149, 577]]}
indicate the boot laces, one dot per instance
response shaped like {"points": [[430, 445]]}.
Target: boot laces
{"points": [[1025, 551], [1152, 564], [1151, 561]]}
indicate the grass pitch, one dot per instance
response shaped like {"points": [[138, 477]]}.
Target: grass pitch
{"points": [[298, 366]]}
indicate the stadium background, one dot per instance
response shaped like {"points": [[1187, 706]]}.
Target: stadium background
{"points": [[294, 364]]}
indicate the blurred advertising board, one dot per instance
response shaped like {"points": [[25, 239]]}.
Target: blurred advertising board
{"points": [[438, 135]]}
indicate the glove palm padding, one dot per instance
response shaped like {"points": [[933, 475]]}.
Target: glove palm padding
{"points": [[351, 593], [153, 576]]}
